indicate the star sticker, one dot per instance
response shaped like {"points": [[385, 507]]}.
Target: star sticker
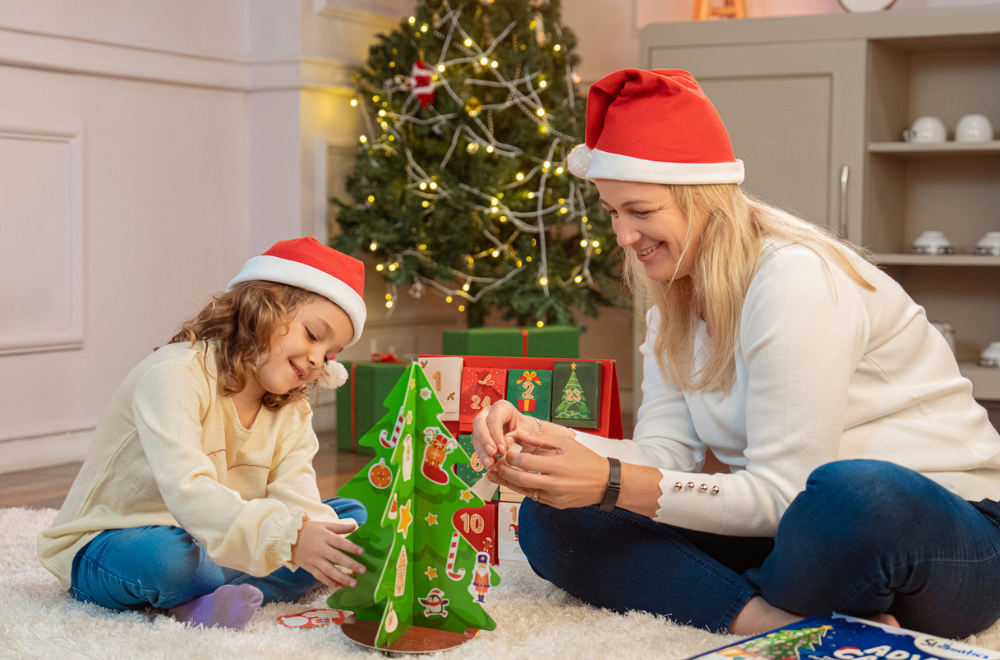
{"points": [[431, 573], [431, 519], [466, 495], [404, 519]]}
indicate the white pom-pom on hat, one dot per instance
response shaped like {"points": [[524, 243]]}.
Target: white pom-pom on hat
{"points": [[333, 376], [579, 160]]}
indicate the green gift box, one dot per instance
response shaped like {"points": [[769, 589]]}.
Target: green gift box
{"points": [[472, 472], [359, 400], [530, 390], [551, 341]]}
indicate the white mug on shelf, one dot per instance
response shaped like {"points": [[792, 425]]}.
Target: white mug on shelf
{"points": [[932, 242], [973, 128], [990, 357], [989, 245], [926, 129]]}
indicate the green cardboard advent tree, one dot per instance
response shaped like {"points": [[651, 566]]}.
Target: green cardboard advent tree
{"points": [[421, 571]]}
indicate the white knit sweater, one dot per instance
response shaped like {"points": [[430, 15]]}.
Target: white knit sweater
{"points": [[170, 450], [825, 370]]}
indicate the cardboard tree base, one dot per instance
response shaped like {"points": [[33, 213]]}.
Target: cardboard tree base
{"points": [[414, 640]]}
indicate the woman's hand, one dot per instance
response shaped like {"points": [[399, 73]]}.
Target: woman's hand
{"points": [[321, 549], [563, 473], [494, 430]]}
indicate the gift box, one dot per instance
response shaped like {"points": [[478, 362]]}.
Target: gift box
{"points": [[471, 473], [359, 400], [478, 525], [530, 390], [445, 376], [508, 546], [481, 387], [551, 341], [576, 394]]}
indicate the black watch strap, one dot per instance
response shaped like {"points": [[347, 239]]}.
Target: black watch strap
{"points": [[614, 486]]}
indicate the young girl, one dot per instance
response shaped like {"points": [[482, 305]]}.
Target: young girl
{"points": [[198, 495]]}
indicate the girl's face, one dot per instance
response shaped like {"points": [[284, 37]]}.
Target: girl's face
{"points": [[317, 332], [646, 219]]}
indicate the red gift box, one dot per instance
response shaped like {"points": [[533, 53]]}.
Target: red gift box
{"points": [[478, 525]]}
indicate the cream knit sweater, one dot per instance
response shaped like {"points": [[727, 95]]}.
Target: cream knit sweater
{"points": [[169, 450], [825, 371]]}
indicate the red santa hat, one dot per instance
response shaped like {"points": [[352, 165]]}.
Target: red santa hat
{"points": [[654, 126], [310, 265]]}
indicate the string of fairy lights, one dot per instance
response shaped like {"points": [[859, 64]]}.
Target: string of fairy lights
{"points": [[525, 94]]}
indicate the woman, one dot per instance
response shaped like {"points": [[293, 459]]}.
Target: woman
{"points": [[863, 479]]}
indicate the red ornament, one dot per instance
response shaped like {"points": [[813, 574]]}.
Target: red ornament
{"points": [[421, 83]]}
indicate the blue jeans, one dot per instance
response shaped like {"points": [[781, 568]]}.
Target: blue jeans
{"points": [[864, 537], [161, 566]]}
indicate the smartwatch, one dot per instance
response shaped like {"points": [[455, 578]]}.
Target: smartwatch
{"points": [[614, 486]]}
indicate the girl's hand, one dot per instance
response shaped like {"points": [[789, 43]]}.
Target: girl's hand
{"points": [[563, 473], [320, 546], [494, 430]]}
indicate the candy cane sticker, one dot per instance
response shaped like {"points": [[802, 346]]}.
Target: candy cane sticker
{"points": [[451, 559]]}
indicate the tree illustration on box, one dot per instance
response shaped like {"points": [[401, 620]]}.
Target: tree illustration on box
{"points": [[573, 404], [786, 644], [421, 570]]}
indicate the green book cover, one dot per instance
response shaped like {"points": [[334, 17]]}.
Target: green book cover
{"points": [[473, 471]]}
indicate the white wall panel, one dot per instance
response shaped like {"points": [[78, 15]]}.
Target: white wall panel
{"points": [[41, 236]]}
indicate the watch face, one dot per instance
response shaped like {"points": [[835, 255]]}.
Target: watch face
{"points": [[866, 5]]}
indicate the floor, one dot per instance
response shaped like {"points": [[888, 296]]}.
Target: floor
{"points": [[46, 488]]}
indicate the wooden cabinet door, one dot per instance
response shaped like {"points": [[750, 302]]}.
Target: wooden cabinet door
{"points": [[795, 114]]}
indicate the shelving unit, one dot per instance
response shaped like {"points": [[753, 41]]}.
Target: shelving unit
{"points": [[810, 100]]}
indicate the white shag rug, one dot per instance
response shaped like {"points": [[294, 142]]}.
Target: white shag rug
{"points": [[534, 620]]}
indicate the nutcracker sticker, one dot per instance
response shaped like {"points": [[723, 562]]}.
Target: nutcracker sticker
{"points": [[481, 577]]}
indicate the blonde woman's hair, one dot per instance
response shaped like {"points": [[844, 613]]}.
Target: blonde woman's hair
{"points": [[242, 321], [728, 259]]}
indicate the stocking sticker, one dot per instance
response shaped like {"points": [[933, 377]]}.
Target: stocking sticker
{"points": [[435, 603], [452, 552], [481, 577], [435, 453], [380, 475]]}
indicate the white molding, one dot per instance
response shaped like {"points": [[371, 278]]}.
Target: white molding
{"points": [[71, 336], [372, 13], [44, 449], [321, 203]]}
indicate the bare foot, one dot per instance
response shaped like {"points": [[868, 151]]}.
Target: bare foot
{"points": [[886, 619], [759, 616]]}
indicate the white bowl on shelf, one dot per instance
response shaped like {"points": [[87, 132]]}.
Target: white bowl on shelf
{"points": [[990, 357], [932, 242], [989, 245]]}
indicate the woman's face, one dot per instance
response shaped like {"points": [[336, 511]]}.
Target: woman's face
{"points": [[646, 219], [317, 332]]}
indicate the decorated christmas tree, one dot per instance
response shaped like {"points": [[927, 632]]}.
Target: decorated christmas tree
{"points": [[461, 187], [573, 404], [786, 644], [421, 570]]}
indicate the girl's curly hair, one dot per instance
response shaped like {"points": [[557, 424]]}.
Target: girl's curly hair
{"points": [[242, 321]]}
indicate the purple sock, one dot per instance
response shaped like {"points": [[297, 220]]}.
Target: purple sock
{"points": [[229, 606]]}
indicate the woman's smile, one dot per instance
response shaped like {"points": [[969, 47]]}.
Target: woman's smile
{"points": [[647, 253]]}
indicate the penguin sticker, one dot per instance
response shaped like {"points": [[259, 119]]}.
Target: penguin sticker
{"points": [[435, 603]]}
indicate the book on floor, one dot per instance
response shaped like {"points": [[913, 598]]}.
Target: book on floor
{"points": [[841, 637]]}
